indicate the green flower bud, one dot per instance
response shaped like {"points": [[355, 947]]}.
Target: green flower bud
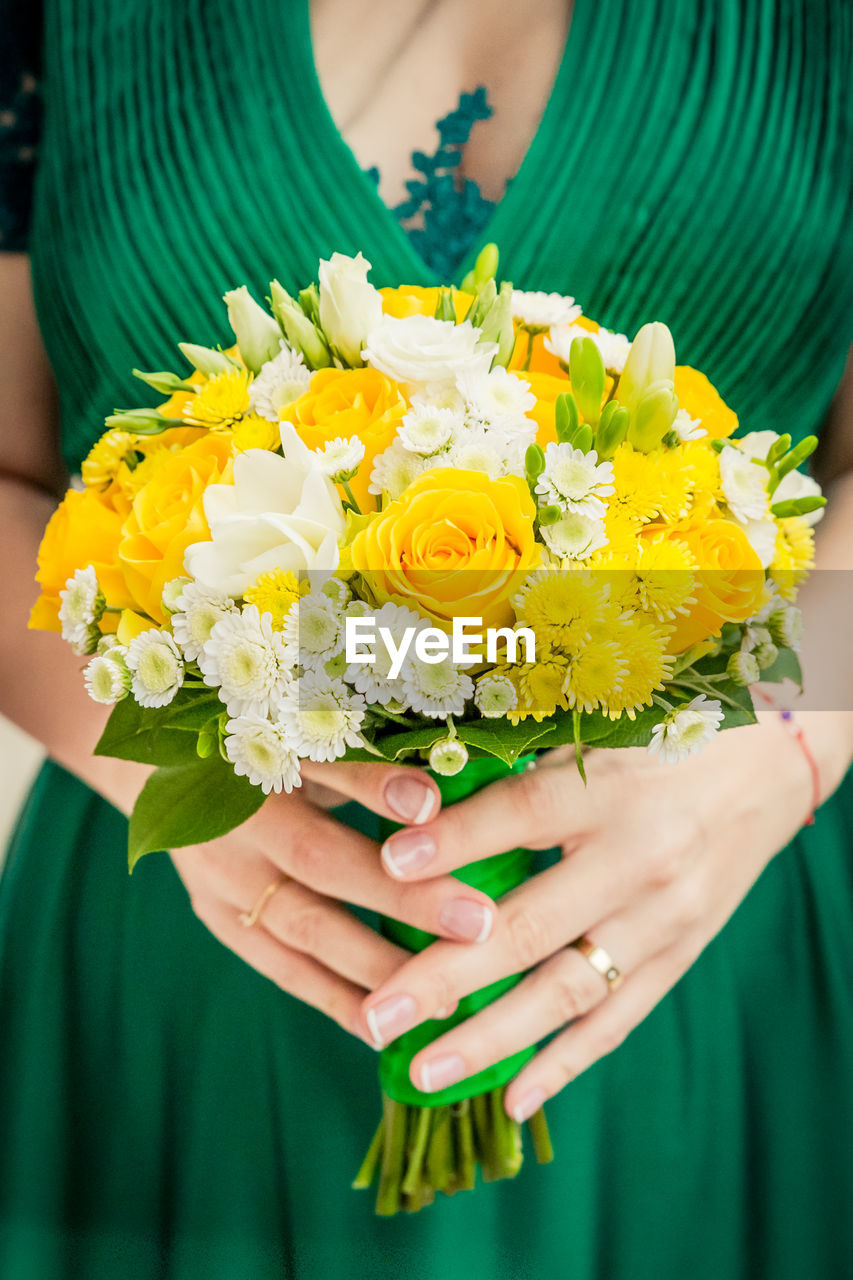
{"points": [[498, 325], [142, 422], [582, 438], [485, 268], [258, 336], [586, 370], [652, 417], [482, 303], [165, 383], [778, 449], [208, 741], [651, 360], [301, 333], [792, 460], [309, 301], [445, 309], [566, 417], [794, 506], [534, 462], [786, 626], [765, 654], [611, 430], [550, 514], [742, 668], [206, 360]]}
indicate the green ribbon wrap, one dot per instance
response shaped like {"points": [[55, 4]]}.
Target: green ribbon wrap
{"points": [[494, 876]]}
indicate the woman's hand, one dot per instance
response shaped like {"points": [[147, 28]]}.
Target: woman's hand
{"points": [[305, 940], [655, 859]]}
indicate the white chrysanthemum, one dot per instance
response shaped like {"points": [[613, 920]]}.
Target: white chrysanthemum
{"points": [[198, 611], [439, 395], [495, 696], [248, 661], [314, 629], [447, 757], [613, 347], [540, 310], [82, 605], [259, 751], [687, 428], [575, 536], [417, 350], [761, 536], [337, 590], [798, 485], [171, 593], [437, 689], [499, 398], [687, 730], [576, 480], [395, 468], [744, 484], [321, 716], [757, 444], [107, 678], [427, 429], [373, 679], [280, 381], [156, 667], [477, 449], [340, 458]]}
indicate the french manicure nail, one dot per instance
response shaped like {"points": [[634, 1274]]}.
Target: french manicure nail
{"points": [[441, 1072], [407, 851], [390, 1018], [531, 1102], [466, 920], [410, 798]]}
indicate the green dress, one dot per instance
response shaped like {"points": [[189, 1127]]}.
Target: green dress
{"points": [[164, 1111]]}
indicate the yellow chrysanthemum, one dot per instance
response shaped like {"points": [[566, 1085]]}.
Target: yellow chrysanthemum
{"points": [[538, 685], [274, 593], [665, 578], [794, 555], [701, 462], [560, 605], [649, 485], [642, 646], [220, 402], [132, 479], [101, 466], [595, 675], [255, 432]]}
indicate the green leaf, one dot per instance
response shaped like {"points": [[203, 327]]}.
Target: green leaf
{"points": [[158, 735], [786, 667], [189, 804], [504, 740]]}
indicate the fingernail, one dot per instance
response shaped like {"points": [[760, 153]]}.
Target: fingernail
{"points": [[410, 798], [390, 1018], [445, 1011], [407, 851], [531, 1102], [441, 1072], [466, 920]]}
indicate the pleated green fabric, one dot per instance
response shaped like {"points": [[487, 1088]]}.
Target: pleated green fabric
{"points": [[167, 1114]]}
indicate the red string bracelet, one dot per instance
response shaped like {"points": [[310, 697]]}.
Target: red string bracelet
{"points": [[796, 732]]}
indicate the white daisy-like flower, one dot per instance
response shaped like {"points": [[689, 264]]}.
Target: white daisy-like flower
{"points": [[477, 449], [436, 689], [373, 679], [107, 678], [248, 661], [576, 480], [447, 757], [82, 605], [197, 612], [321, 716], [575, 536], [259, 750], [744, 484], [172, 593], [427, 429], [156, 667], [340, 458], [687, 730], [337, 590], [495, 696], [499, 398], [280, 381], [687, 428], [613, 347], [314, 629], [439, 395], [395, 468], [540, 310]]}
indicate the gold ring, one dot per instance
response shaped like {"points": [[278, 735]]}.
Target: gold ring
{"points": [[600, 960], [248, 918]]}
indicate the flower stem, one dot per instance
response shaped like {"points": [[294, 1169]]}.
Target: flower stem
{"points": [[421, 1117], [538, 1128], [439, 1152], [345, 485], [367, 1172], [388, 1196]]}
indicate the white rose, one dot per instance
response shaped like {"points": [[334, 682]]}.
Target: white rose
{"points": [[349, 306], [420, 349], [280, 513], [757, 444], [797, 485]]}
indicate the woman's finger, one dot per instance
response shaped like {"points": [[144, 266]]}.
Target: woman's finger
{"points": [[593, 1036], [400, 792], [534, 809]]}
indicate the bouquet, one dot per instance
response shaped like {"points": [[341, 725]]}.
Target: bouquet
{"points": [[450, 526]]}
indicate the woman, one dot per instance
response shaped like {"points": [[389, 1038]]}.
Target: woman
{"points": [[165, 1110]]}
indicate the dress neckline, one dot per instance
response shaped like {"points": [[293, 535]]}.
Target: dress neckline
{"points": [[512, 211]]}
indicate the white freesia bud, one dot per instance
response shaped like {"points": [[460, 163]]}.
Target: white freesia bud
{"points": [[650, 360], [258, 336], [349, 306]]}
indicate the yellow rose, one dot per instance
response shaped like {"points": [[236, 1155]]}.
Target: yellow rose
{"points": [[701, 399], [730, 583], [412, 300], [167, 516], [82, 531], [452, 545], [350, 402]]}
